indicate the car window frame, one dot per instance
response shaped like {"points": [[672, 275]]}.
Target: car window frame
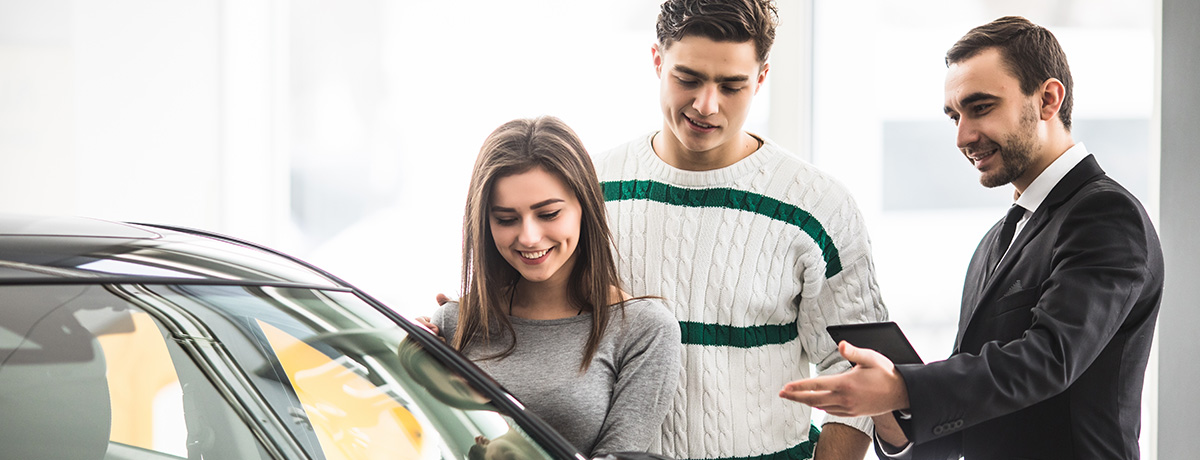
{"points": [[549, 439]]}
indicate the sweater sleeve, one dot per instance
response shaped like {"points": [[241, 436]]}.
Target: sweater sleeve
{"points": [[446, 319], [851, 295], [647, 376]]}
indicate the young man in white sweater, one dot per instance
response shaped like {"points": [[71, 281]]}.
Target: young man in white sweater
{"points": [[754, 249]]}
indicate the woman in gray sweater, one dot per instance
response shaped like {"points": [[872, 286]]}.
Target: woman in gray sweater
{"points": [[542, 309]]}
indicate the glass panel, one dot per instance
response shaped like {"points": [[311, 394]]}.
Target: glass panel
{"points": [[142, 379], [91, 376], [346, 380]]}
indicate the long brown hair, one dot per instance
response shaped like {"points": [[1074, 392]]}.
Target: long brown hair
{"points": [[514, 148]]}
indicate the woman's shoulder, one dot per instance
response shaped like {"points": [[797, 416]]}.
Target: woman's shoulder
{"points": [[647, 324], [651, 312], [641, 303], [445, 314]]}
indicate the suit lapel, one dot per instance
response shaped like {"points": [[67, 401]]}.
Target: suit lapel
{"points": [[986, 290], [975, 282]]}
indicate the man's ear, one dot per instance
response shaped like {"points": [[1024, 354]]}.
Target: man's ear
{"points": [[1052, 93], [762, 76], [658, 60]]}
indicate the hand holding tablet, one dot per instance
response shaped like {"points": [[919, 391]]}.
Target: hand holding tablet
{"points": [[883, 337]]}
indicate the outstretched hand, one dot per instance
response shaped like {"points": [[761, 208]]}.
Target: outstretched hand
{"points": [[428, 322], [871, 387]]}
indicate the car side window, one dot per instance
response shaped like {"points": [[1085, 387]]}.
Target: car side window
{"points": [[351, 416], [347, 381], [91, 376]]}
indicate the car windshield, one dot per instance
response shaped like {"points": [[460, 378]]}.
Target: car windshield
{"points": [[204, 371]]}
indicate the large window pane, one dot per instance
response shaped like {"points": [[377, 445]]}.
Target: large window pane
{"points": [[390, 102]]}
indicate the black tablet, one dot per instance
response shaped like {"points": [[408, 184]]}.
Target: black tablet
{"points": [[885, 338]]}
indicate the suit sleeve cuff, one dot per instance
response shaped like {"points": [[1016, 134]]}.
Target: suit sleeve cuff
{"points": [[889, 451], [904, 420]]}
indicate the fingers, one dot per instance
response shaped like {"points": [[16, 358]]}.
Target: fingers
{"points": [[827, 401], [806, 385], [827, 393], [865, 357], [866, 389], [813, 392], [428, 323], [809, 398]]}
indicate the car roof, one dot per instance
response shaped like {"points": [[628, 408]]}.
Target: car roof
{"points": [[46, 249]]}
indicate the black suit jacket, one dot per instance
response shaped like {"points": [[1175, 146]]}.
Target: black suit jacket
{"points": [[1052, 347]]}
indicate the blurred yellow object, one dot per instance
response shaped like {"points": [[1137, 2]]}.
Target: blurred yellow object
{"points": [[139, 368], [352, 418]]}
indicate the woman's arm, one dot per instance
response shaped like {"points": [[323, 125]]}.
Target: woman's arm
{"points": [[647, 378]]}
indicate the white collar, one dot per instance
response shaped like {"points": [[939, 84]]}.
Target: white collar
{"points": [[1041, 186]]}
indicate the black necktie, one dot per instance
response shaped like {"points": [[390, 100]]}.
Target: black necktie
{"points": [[1015, 213]]}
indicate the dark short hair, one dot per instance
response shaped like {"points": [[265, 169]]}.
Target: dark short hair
{"points": [[735, 21], [1030, 52]]}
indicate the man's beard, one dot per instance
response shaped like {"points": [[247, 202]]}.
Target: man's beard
{"points": [[1017, 152]]}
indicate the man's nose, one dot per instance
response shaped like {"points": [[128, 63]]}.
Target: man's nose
{"points": [[706, 101], [967, 134]]}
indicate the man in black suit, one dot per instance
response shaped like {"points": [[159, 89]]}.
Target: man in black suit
{"points": [[1055, 327]]}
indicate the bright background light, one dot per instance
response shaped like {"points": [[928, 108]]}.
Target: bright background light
{"points": [[344, 131]]}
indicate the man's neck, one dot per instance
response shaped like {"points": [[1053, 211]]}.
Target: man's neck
{"points": [[674, 153], [1055, 146]]}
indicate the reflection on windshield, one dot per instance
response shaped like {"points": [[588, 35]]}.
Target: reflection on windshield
{"points": [[121, 267], [454, 390], [177, 371], [347, 381], [449, 388], [88, 374], [348, 414]]}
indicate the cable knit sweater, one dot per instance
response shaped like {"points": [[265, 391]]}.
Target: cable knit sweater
{"points": [[754, 259]]}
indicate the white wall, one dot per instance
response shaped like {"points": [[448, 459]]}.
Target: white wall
{"points": [[141, 110]]}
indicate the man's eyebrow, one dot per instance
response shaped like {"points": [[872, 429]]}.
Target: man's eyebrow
{"points": [[971, 99], [702, 76]]}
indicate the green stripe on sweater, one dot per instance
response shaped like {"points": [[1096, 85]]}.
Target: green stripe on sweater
{"points": [[728, 198], [740, 337], [802, 451]]}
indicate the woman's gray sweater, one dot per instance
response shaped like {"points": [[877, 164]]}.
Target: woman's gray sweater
{"points": [[620, 402]]}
